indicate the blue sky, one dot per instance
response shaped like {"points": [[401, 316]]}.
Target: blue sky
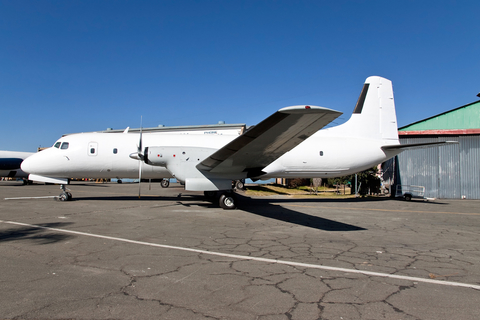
{"points": [[75, 66]]}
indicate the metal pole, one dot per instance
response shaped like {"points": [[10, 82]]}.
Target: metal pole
{"points": [[356, 187]]}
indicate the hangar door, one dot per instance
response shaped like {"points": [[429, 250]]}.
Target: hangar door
{"points": [[448, 172]]}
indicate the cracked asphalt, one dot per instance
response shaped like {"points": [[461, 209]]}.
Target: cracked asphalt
{"points": [[173, 255]]}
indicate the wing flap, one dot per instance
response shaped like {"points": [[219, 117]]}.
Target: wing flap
{"points": [[267, 141]]}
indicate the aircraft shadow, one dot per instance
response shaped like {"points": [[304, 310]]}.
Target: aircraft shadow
{"points": [[259, 207], [348, 200], [36, 234], [263, 207]]}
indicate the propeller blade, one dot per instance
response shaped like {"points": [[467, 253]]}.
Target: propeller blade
{"points": [[139, 179], [140, 156], [141, 131]]}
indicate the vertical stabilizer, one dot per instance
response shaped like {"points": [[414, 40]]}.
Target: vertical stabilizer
{"points": [[374, 115]]}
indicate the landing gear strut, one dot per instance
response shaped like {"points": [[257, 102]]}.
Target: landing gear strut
{"points": [[65, 195]]}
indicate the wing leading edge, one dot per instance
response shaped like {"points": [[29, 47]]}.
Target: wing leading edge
{"points": [[267, 141]]}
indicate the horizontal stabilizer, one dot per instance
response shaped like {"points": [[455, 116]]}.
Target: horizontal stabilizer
{"points": [[270, 139], [416, 145]]}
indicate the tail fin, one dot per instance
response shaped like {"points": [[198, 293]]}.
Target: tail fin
{"points": [[374, 115]]}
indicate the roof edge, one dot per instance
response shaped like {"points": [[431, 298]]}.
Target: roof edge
{"points": [[416, 122], [439, 132]]}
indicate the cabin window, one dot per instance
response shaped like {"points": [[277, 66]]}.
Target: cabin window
{"points": [[57, 145], [64, 146], [321, 153], [115, 150], [92, 149]]}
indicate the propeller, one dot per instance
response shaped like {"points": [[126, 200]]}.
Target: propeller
{"points": [[139, 156]]}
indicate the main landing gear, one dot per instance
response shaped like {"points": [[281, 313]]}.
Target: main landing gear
{"points": [[65, 195], [226, 199]]}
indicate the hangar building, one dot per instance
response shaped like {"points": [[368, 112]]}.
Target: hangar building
{"points": [[450, 171]]}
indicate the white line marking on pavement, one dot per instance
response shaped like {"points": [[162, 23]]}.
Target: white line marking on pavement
{"points": [[22, 198], [235, 256]]}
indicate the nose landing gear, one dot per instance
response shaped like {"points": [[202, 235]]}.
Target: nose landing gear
{"points": [[65, 195]]}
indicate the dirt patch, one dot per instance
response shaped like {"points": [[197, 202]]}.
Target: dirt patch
{"points": [[269, 190]]}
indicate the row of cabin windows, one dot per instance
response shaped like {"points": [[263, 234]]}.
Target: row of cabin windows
{"points": [[92, 150], [65, 145]]}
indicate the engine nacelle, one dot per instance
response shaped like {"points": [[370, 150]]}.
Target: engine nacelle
{"points": [[182, 163], [168, 156]]}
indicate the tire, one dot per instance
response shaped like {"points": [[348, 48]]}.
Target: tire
{"points": [[408, 197], [165, 183], [66, 196], [227, 201], [240, 185]]}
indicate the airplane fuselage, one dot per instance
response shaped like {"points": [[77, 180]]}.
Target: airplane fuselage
{"points": [[328, 153]]}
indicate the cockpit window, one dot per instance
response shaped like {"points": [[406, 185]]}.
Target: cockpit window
{"points": [[64, 146], [57, 145]]}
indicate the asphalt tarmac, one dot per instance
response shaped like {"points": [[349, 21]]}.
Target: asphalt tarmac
{"points": [[173, 255]]}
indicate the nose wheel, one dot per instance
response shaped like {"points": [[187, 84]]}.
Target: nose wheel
{"points": [[65, 195]]}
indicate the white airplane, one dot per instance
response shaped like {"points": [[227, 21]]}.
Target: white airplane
{"points": [[288, 144], [10, 164]]}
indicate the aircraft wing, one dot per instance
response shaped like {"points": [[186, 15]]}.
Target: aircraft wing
{"points": [[264, 143]]}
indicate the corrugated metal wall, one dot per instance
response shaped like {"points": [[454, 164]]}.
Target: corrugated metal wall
{"points": [[470, 166], [448, 172]]}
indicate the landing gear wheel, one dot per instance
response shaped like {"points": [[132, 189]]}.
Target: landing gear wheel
{"points": [[240, 185], [66, 196], [165, 183], [227, 201]]}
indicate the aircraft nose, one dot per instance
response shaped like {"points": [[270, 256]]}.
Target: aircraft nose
{"points": [[29, 165]]}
